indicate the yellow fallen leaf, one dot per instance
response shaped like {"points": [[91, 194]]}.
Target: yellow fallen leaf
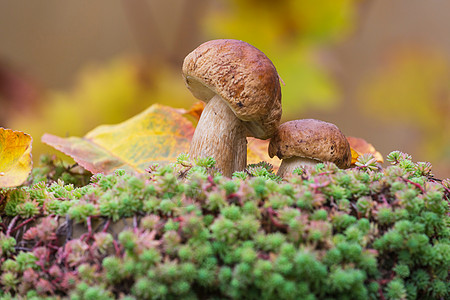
{"points": [[355, 155], [157, 135], [15, 157]]}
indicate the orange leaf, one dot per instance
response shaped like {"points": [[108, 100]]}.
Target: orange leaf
{"points": [[157, 135], [15, 157], [193, 113], [360, 146], [196, 110], [257, 152]]}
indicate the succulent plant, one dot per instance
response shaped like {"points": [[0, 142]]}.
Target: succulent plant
{"points": [[186, 231]]}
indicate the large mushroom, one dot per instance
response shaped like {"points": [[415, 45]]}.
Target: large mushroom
{"points": [[242, 89], [306, 142]]}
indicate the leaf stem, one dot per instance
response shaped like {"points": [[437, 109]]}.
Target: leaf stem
{"points": [[11, 225], [24, 223]]}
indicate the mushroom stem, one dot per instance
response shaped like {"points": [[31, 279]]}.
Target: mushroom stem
{"points": [[288, 165], [219, 134]]}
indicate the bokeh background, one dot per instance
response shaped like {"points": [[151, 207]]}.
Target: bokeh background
{"points": [[378, 69]]}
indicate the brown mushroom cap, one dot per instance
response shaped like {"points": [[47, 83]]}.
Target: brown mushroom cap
{"points": [[311, 139], [243, 76]]}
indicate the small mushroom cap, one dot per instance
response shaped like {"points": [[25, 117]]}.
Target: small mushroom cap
{"points": [[241, 75], [311, 139]]}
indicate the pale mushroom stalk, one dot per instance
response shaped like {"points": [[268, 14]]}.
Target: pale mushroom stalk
{"points": [[221, 135], [288, 165]]}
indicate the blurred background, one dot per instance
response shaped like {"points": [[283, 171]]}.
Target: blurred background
{"points": [[379, 70]]}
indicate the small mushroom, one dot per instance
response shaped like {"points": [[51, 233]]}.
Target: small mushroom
{"points": [[242, 89], [308, 142]]}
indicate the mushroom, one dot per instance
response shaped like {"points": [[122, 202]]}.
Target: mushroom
{"points": [[307, 142], [242, 89]]}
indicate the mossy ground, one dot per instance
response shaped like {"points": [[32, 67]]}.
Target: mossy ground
{"points": [[186, 232]]}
